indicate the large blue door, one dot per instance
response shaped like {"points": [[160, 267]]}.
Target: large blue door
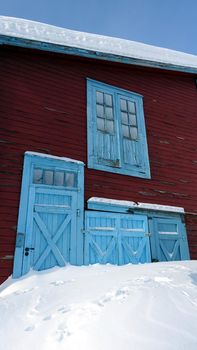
{"points": [[51, 214], [116, 238]]}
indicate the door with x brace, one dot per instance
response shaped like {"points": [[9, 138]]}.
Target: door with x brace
{"points": [[53, 219], [116, 238]]}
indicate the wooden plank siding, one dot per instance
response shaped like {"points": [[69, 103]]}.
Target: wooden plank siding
{"points": [[43, 109]]}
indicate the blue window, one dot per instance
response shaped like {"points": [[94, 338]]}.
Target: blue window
{"points": [[116, 130]]}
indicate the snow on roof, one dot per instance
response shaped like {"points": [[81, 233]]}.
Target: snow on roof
{"points": [[137, 205], [44, 155], [40, 32]]}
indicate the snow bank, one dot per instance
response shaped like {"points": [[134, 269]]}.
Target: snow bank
{"points": [[140, 307], [21, 28]]}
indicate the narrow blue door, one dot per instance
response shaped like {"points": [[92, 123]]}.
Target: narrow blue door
{"points": [[116, 238], [170, 239], [51, 214]]}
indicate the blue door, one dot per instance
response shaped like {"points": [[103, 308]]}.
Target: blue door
{"points": [[170, 239], [51, 214], [116, 238]]}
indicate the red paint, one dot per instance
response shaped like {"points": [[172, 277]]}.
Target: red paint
{"points": [[43, 109]]}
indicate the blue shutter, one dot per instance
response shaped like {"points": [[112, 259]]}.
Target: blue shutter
{"points": [[134, 153], [170, 239], [116, 238], [104, 148]]}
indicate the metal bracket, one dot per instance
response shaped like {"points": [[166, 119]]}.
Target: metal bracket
{"points": [[130, 210], [148, 234], [84, 231], [20, 239]]}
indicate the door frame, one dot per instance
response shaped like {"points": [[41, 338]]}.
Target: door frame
{"points": [[31, 159]]}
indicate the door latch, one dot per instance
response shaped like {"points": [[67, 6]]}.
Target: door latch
{"points": [[27, 249]]}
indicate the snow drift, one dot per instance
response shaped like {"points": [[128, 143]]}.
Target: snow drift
{"points": [[152, 306]]}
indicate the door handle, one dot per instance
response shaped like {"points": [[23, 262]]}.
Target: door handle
{"points": [[27, 249]]}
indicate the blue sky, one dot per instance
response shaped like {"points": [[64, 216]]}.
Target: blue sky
{"points": [[165, 23]]}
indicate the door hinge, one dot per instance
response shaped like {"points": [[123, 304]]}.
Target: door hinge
{"points": [[84, 231], [78, 212], [148, 234], [20, 239], [130, 210]]}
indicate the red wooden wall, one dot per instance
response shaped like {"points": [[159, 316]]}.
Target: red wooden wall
{"points": [[43, 109]]}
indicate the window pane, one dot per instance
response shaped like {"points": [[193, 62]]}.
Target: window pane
{"points": [[99, 97], [124, 118], [100, 124], [38, 176], [125, 131], [109, 126], [59, 178], [123, 105], [131, 107], [132, 119], [108, 100], [109, 112], [70, 179], [100, 111], [48, 177], [133, 133]]}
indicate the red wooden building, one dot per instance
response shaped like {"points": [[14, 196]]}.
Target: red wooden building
{"points": [[125, 115]]}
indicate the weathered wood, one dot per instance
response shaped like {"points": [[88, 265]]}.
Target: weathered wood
{"points": [[43, 109]]}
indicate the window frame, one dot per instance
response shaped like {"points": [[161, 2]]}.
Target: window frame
{"points": [[119, 166], [54, 171]]}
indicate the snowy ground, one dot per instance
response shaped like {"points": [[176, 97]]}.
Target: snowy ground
{"points": [[152, 306]]}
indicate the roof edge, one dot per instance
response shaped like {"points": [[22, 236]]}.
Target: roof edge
{"points": [[75, 51]]}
